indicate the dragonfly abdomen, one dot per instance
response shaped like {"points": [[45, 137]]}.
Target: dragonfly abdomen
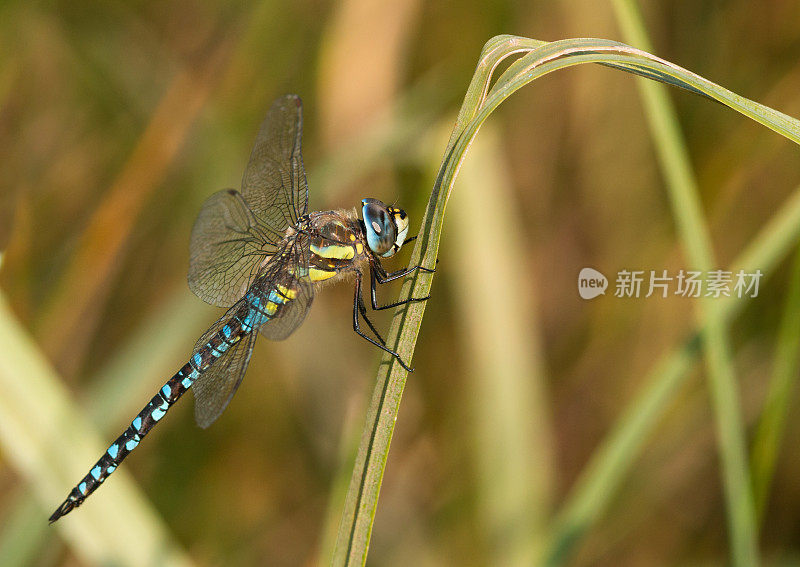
{"points": [[151, 414], [264, 306]]}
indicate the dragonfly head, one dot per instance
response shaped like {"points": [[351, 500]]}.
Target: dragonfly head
{"points": [[386, 227]]}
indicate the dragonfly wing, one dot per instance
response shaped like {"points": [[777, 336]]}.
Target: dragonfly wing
{"points": [[214, 388], [235, 233], [274, 182], [227, 249], [285, 281]]}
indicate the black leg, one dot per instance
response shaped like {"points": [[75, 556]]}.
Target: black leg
{"points": [[383, 276], [376, 277], [363, 310], [357, 328]]}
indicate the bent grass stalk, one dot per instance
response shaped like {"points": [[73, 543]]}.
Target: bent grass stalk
{"points": [[480, 101]]}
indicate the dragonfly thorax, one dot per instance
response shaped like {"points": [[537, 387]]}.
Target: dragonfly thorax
{"points": [[386, 227]]}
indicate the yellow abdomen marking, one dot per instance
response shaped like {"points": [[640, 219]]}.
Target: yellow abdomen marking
{"points": [[334, 251], [286, 292]]}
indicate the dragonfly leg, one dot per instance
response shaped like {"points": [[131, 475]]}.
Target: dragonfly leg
{"points": [[384, 276], [357, 327], [363, 310], [379, 276]]}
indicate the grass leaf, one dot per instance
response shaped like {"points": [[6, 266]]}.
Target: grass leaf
{"points": [[480, 101], [34, 413], [771, 426]]}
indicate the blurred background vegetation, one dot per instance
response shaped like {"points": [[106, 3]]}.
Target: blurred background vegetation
{"points": [[118, 119]]}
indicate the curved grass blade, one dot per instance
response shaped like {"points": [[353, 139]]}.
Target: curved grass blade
{"points": [[480, 101], [358, 515]]}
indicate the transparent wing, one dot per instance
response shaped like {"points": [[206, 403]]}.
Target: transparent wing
{"points": [[286, 274], [228, 247], [236, 233], [289, 272], [274, 182], [214, 389]]}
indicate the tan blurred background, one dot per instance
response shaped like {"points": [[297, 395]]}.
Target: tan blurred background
{"points": [[118, 119]]}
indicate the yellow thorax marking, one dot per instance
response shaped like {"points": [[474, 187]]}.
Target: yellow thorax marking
{"points": [[334, 251], [318, 275]]}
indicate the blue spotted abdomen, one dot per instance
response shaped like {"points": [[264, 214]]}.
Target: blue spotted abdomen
{"points": [[264, 306], [152, 413], [258, 308]]}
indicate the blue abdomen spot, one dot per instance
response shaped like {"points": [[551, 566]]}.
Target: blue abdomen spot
{"points": [[113, 450], [219, 349], [137, 423], [247, 324], [131, 445], [95, 472], [198, 360], [187, 383], [82, 487], [226, 331], [166, 391]]}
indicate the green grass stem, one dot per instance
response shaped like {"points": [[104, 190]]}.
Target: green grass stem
{"points": [[772, 423], [480, 101]]}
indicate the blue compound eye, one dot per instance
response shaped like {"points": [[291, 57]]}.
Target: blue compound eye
{"points": [[380, 226]]}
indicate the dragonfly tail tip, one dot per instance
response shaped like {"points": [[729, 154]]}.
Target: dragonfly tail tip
{"points": [[65, 508]]}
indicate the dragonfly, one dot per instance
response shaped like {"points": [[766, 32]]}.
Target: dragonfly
{"points": [[259, 253]]}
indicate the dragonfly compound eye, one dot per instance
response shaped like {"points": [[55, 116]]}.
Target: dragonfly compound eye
{"points": [[381, 227]]}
